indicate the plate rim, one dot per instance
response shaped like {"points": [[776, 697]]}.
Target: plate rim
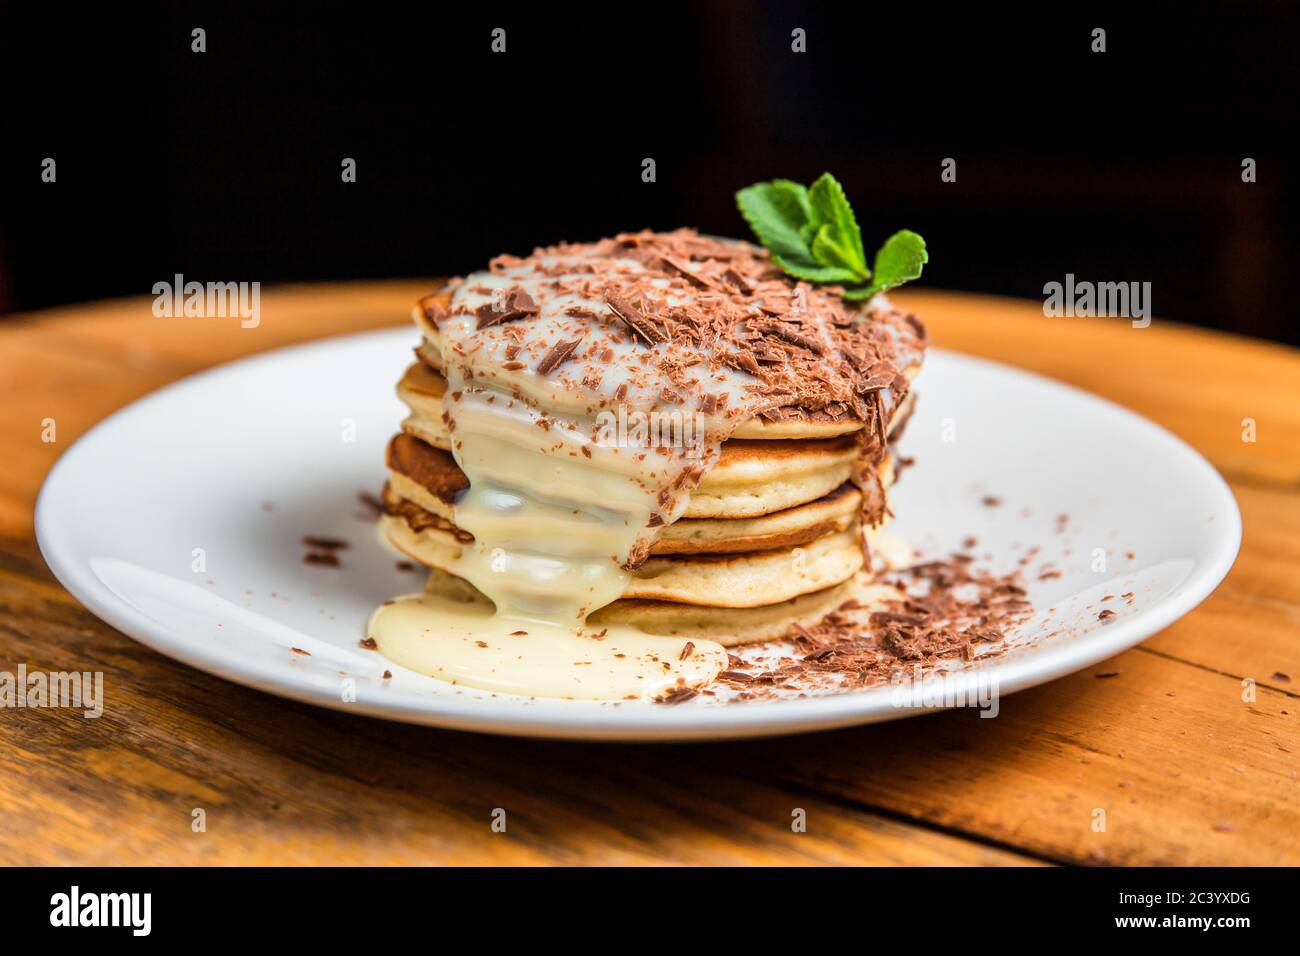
{"points": [[639, 722]]}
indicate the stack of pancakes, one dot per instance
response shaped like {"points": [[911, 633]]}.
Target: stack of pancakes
{"points": [[772, 538]]}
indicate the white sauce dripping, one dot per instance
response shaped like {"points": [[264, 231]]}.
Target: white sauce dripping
{"points": [[555, 511]]}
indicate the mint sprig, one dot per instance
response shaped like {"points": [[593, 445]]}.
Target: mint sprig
{"points": [[813, 235]]}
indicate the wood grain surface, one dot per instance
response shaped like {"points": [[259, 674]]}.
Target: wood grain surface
{"points": [[1188, 769]]}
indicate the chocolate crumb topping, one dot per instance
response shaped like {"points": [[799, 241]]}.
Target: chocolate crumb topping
{"points": [[695, 305], [517, 305], [556, 356], [638, 322], [945, 612]]}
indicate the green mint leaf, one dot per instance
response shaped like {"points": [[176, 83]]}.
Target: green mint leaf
{"points": [[827, 247], [781, 216], [898, 261], [838, 241], [815, 273], [813, 235]]}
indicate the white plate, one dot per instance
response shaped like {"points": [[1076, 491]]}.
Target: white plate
{"points": [[244, 460]]}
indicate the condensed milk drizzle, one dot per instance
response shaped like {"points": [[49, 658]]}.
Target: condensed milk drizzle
{"points": [[540, 359]]}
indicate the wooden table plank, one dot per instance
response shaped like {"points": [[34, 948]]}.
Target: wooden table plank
{"points": [[1200, 385], [1250, 626], [1186, 771], [1199, 776], [77, 365], [291, 784]]}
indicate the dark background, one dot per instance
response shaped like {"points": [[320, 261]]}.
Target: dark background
{"points": [[225, 166]]}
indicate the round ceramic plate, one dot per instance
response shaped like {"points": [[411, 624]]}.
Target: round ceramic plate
{"points": [[180, 521]]}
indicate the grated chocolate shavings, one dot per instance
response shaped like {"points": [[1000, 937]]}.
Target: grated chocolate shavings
{"points": [[946, 612], [649, 330], [559, 352], [517, 305], [677, 695], [324, 544]]}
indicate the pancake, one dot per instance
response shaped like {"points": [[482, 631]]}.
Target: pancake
{"points": [[430, 478], [750, 479], [418, 518], [422, 388], [766, 430], [433, 469], [422, 313], [749, 580], [834, 512], [422, 381], [760, 510], [753, 477], [401, 488], [727, 626], [732, 581], [433, 547]]}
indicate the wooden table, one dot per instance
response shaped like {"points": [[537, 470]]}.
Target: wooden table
{"points": [[1187, 771]]}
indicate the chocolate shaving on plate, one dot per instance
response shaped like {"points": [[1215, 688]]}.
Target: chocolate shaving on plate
{"points": [[677, 695]]}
